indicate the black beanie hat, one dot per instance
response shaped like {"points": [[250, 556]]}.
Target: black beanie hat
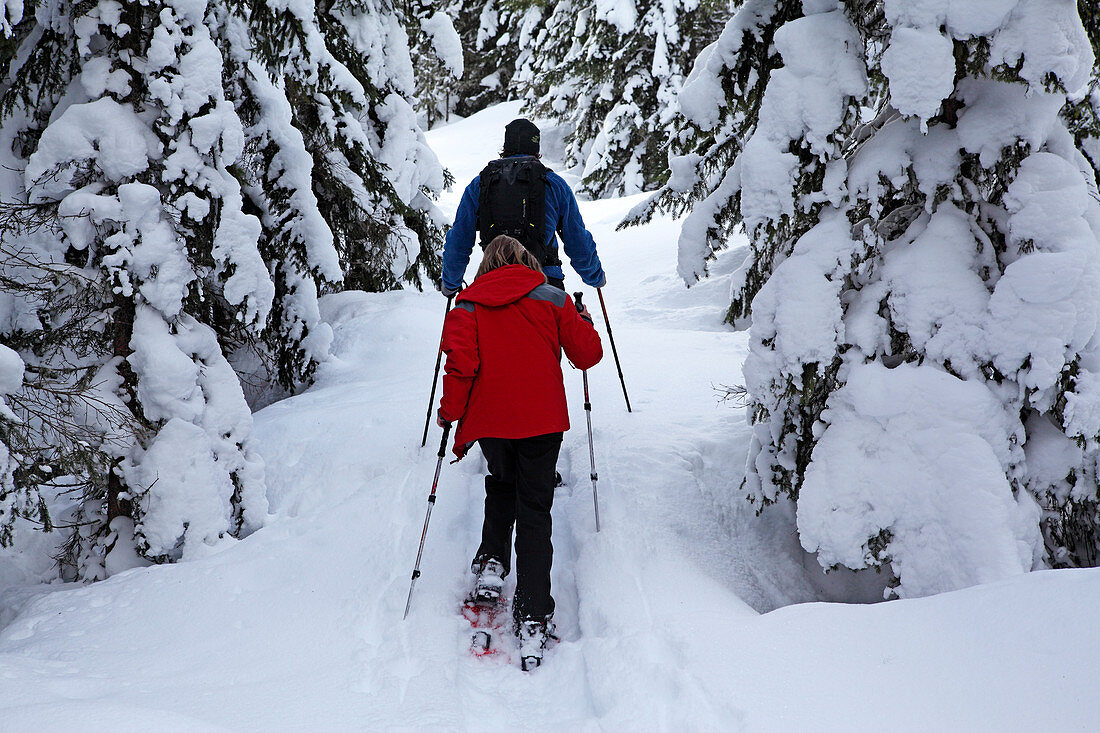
{"points": [[522, 137]]}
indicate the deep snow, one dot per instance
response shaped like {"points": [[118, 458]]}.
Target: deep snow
{"points": [[668, 616]]}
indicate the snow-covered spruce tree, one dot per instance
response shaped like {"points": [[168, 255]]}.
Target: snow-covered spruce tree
{"points": [[117, 120], [60, 416], [334, 165], [377, 187], [719, 108], [556, 39], [437, 49], [270, 141], [277, 174], [924, 364], [936, 233], [616, 86], [499, 37]]}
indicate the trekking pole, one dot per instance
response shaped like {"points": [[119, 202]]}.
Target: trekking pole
{"points": [[588, 416], [435, 377], [614, 351], [428, 516]]}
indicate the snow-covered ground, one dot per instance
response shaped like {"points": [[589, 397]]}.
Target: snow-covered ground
{"points": [[668, 617]]}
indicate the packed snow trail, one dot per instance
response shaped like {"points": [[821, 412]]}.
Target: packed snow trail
{"points": [[299, 625]]}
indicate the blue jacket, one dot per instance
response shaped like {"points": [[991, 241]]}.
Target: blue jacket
{"points": [[562, 216]]}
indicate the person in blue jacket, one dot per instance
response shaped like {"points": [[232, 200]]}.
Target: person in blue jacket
{"points": [[563, 217]]}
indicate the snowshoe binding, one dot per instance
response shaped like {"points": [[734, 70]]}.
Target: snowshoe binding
{"points": [[534, 634], [485, 608]]}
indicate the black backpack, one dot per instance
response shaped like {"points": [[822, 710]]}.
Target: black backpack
{"points": [[513, 202]]}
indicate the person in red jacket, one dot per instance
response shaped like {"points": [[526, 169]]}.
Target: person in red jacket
{"points": [[503, 385]]}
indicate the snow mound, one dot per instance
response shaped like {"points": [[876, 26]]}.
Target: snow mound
{"points": [[918, 455]]}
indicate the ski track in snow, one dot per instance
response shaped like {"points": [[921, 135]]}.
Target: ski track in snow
{"points": [[299, 626]]}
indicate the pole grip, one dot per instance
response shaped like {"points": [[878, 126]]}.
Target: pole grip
{"points": [[577, 301], [443, 443]]}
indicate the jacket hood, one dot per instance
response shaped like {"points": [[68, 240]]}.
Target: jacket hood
{"points": [[502, 286]]}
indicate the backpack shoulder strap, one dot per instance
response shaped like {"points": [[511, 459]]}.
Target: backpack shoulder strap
{"points": [[488, 179], [537, 215]]}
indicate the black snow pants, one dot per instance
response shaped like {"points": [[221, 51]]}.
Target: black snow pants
{"points": [[519, 491]]}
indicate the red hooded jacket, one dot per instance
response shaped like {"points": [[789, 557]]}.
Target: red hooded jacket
{"points": [[503, 341]]}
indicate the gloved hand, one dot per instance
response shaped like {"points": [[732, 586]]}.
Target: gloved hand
{"points": [[447, 292]]}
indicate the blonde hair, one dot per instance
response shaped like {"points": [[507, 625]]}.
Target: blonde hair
{"points": [[505, 250]]}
